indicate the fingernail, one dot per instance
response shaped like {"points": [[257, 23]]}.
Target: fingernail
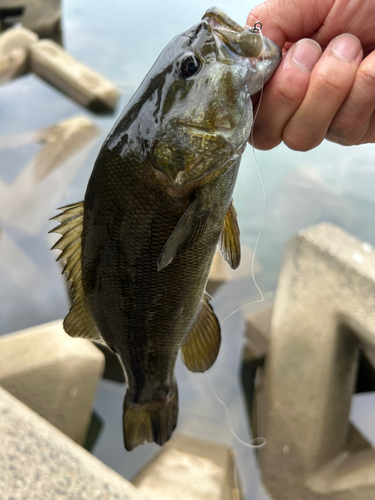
{"points": [[306, 53], [346, 47]]}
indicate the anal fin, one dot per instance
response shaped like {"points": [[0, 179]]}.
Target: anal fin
{"points": [[78, 322], [201, 347], [229, 242]]}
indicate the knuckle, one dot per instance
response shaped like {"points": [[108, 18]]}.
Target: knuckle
{"points": [[336, 135], [328, 82], [289, 93], [366, 75], [292, 85], [265, 143], [344, 122], [343, 129], [298, 139], [346, 136]]}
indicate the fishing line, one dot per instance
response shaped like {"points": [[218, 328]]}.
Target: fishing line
{"points": [[257, 442], [264, 198]]}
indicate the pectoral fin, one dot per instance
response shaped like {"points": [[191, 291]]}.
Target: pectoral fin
{"points": [[188, 229], [229, 242], [202, 345], [78, 322]]}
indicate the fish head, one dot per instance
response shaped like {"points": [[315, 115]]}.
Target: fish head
{"points": [[194, 109]]}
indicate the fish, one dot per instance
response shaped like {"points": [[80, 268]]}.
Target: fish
{"points": [[139, 248]]}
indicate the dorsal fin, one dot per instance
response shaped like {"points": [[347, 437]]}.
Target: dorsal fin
{"points": [[229, 243], [201, 346], [78, 322]]}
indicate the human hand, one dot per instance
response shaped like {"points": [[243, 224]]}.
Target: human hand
{"points": [[315, 95]]}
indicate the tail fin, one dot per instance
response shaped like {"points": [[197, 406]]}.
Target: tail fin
{"points": [[150, 422]]}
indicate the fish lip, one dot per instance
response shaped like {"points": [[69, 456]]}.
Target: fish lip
{"points": [[216, 17]]}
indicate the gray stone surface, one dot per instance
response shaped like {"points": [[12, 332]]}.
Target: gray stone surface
{"points": [[14, 52], [82, 84], [190, 469], [324, 309], [53, 374], [38, 462]]}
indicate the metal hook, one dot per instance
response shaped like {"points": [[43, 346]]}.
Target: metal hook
{"points": [[257, 27]]}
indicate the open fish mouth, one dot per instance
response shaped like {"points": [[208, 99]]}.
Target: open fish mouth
{"points": [[243, 41]]}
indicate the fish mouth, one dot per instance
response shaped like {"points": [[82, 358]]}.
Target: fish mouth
{"points": [[243, 41]]}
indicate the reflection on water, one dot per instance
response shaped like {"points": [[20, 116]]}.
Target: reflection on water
{"points": [[330, 183]]}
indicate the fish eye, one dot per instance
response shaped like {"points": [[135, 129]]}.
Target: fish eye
{"points": [[190, 66]]}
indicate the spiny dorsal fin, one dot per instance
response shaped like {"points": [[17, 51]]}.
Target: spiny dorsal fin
{"points": [[202, 345], [229, 243], [188, 229], [78, 322]]}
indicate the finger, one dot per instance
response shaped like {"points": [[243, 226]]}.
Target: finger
{"points": [[284, 93], [354, 122], [289, 21], [330, 83]]}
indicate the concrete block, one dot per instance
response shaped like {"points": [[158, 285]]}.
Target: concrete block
{"points": [[14, 53], [54, 374], [13, 65], [257, 333], [324, 310], [221, 273], [190, 469], [38, 462], [61, 142], [255, 349], [41, 16], [16, 38], [88, 88], [64, 148]]}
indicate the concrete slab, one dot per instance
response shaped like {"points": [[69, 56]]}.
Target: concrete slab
{"points": [[64, 148], [82, 84], [324, 310], [38, 462], [13, 65], [41, 16], [61, 142], [53, 374], [14, 53], [190, 469], [257, 333], [16, 38]]}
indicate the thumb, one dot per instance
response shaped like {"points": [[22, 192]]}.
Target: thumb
{"points": [[289, 20]]}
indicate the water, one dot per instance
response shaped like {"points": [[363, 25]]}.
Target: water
{"points": [[330, 183]]}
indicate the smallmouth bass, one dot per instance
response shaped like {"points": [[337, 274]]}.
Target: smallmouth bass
{"points": [[139, 249]]}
